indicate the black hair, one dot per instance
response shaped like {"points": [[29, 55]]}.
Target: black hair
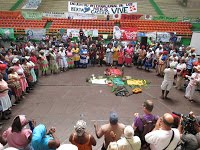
{"points": [[16, 125]]}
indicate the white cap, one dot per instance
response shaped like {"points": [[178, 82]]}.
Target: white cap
{"points": [[67, 147]]}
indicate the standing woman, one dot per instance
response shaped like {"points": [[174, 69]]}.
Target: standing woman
{"points": [[76, 56], [4, 98], [29, 77], [20, 71], [115, 54], [62, 60], [84, 56], [194, 81], [181, 70], [69, 55], [34, 59], [53, 63], [82, 139], [121, 56], [43, 63], [101, 53], [109, 55], [13, 80], [129, 55]]}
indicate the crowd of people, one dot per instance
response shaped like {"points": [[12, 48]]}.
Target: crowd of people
{"points": [[21, 64], [148, 131]]}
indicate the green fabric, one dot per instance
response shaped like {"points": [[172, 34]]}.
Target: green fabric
{"points": [[185, 41], [165, 18], [16, 5], [32, 15], [47, 26], [117, 81], [157, 9], [195, 26], [7, 33]]}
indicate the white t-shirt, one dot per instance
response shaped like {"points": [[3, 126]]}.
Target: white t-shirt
{"points": [[149, 54], [126, 144], [181, 66], [158, 51], [169, 74], [129, 144], [30, 49], [159, 139]]}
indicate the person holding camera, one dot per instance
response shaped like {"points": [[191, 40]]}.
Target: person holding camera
{"points": [[163, 136], [190, 132]]}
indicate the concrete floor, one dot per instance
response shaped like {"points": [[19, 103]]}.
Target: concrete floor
{"points": [[60, 100]]}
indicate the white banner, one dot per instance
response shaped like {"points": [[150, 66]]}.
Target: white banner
{"points": [[163, 36], [36, 34], [80, 16], [87, 32], [102, 9], [68, 15], [32, 4], [152, 35], [54, 14]]}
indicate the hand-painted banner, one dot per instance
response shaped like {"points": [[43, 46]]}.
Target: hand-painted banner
{"points": [[165, 18], [32, 15], [130, 16], [68, 15], [163, 36], [102, 9], [32, 4], [7, 33], [124, 33], [35, 34], [87, 32]]}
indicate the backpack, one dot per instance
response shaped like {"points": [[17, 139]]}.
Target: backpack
{"points": [[148, 126]]}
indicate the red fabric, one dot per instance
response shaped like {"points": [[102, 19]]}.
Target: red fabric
{"points": [[128, 33], [3, 67], [35, 61]]}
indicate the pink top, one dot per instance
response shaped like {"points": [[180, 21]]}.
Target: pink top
{"points": [[69, 53], [129, 50], [3, 86], [17, 140], [35, 61]]}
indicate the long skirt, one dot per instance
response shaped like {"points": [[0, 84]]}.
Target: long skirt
{"points": [[5, 103], [70, 62], [53, 65], [23, 83], [63, 63], [128, 60], [189, 92], [109, 59], [33, 75]]}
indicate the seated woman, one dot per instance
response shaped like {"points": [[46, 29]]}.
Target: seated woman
{"points": [[17, 136], [82, 139], [43, 140]]}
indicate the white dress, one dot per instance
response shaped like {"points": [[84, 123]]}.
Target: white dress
{"points": [[4, 97]]}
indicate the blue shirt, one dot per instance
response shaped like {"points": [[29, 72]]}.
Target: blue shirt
{"points": [[40, 139]]}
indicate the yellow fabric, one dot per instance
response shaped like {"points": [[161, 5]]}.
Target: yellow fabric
{"points": [[136, 82], [115, 54], [76, 54]]}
